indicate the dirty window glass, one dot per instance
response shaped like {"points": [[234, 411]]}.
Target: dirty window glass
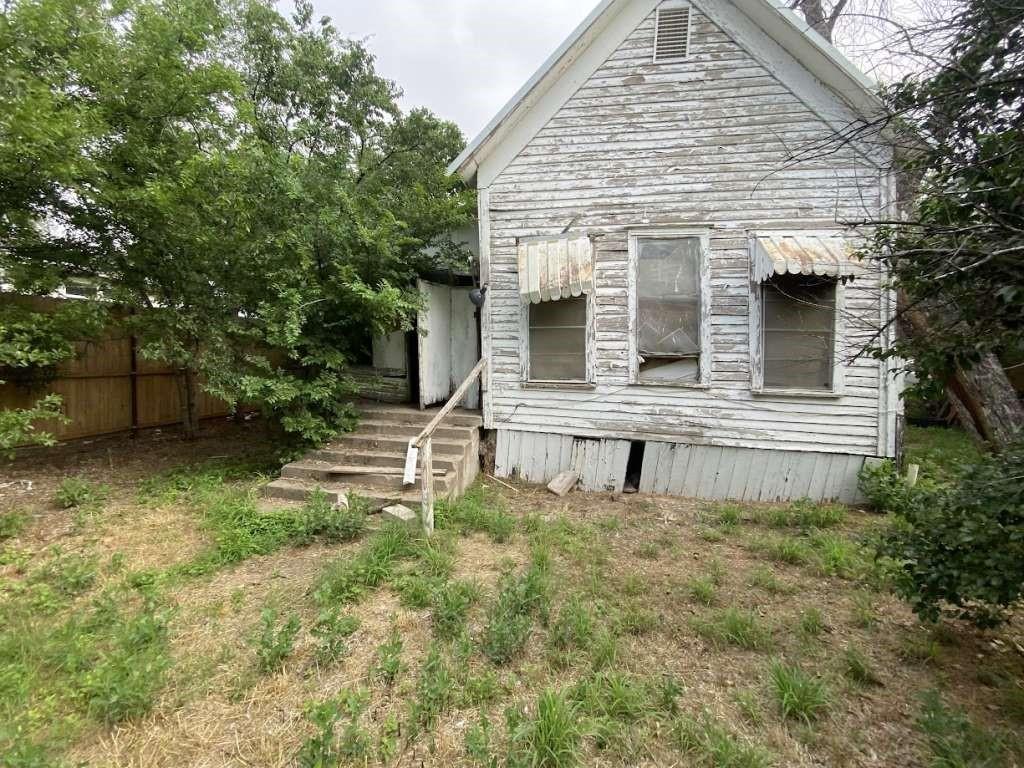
{"points": [[799, 336], [558, 339], [668, 309]]}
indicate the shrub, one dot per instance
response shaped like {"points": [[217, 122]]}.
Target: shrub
{"points": [[801, 696], [75, 492], [958, 548], [273, 645]]}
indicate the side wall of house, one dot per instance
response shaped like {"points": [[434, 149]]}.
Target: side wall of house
{"points": [[707, 143]]}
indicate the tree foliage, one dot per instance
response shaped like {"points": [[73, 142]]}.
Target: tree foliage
{"points": [[244, 182], [958, 547]]}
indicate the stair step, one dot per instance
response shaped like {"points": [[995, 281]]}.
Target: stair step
{"points": [[443, 432], [373, 477], [380, 443], [457, 418], [293, 490], [383, 459]]}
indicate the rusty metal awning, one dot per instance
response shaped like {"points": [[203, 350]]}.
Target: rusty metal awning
{"points": [[803, 254], [555, 268]]}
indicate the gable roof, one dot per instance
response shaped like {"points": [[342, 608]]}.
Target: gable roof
{"points": [[819, 57]]}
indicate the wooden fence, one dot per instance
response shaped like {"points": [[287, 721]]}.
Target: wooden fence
{"points": [[108, 388]]}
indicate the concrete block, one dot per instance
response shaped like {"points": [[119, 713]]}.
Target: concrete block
{"points": [[399, 513]]}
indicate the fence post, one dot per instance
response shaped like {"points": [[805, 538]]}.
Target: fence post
{"points": [[427, 481]]}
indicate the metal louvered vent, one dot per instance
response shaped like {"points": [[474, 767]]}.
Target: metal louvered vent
{"points": [[672, 33]]}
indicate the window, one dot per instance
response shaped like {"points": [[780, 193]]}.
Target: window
{"points": [[798, 332], [668, 309], [558, 340], [672, 31]]}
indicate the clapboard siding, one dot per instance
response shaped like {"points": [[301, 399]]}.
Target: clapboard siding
{"points": [[705, 142], [682, 469]]}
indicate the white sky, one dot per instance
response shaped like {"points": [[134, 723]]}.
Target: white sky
{"points": [[464, 59]]}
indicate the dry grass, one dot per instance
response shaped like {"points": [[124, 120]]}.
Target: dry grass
{"points": [[216, 709]]}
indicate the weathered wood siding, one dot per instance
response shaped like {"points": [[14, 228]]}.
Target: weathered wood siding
{"points": [[702, 143], [679, 469]]}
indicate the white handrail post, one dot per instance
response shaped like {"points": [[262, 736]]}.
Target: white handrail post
{"points": [[427, 480]]}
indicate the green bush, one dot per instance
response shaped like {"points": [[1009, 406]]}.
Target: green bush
{"points": [[331, 522], [957, 548]]}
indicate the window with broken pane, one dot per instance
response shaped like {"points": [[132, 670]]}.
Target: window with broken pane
{"points": [[558, 340], [798, 324], [668, 309]]}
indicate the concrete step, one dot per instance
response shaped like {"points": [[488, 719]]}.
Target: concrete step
{"points": [[369, 476], [409, 415], [397, 445], [383, 458], [443, 432], [291, 490]]}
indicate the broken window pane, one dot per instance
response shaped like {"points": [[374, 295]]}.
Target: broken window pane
{"points": [[558, 339], [799, 338], [668, 308]]}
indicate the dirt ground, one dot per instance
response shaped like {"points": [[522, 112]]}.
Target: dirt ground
{"points": [[632, 558]]}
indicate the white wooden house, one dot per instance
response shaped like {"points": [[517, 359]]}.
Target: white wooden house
{"points": [[666, 227]]}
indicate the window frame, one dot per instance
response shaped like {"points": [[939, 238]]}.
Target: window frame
{"points": [[704, 273], [756, 339], [588, 337]]}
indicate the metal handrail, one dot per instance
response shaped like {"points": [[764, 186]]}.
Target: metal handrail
{"points": [[422, 445]]}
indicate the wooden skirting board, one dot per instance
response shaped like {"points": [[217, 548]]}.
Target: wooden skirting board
{"points": [[680, 469]]}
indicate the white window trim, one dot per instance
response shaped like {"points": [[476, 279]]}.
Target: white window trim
{"points": [[588, 348], [704, 375], [756, 309], [668, 4]]}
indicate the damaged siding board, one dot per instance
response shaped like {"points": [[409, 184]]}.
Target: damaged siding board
{"points": [[700, 144]]}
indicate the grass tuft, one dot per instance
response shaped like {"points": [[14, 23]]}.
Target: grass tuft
{"points": [[812, 622], [550, 739], [954, 740], [510, 616], [734, 627], [800, 696], [451, 604], [478, 510], [857, 668], [713, 745]]}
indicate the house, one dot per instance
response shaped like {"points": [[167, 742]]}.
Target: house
{"points": [[667, 221]]}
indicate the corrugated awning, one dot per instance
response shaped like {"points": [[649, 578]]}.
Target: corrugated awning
{"points": [[803, 254], [555, 268]]}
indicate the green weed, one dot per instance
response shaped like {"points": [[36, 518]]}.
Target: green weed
{"points": [[509, 618], [764, 578], [954, 740], [702, 590], [478, 744], [347, 578], [321, 518], [435, 689], [451, 604], [574, 625], [713, 745], [857, 667], [812, 623], [550, 739], [12, 523], [750, 707], [734, 627], [805, 514], [784, 549], [478, 510], [78, 493], [274, 644], [332, 630], [800, 696], [325, 748], [865, 615], [612, 695], [637, 621], [389, 659]]}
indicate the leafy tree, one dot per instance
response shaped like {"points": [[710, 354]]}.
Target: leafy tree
{"points": [[244, 182]]}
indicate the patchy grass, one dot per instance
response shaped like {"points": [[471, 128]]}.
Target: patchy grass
{"points": [[528, 631]]}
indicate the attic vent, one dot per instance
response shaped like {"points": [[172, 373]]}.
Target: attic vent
{"points": [[672, 32]]}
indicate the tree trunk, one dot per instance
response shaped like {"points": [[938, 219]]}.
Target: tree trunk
{"points": [[187, 391], [982, 396]]}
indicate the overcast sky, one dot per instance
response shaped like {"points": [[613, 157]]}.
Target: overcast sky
{"points": [[463, 59]]}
